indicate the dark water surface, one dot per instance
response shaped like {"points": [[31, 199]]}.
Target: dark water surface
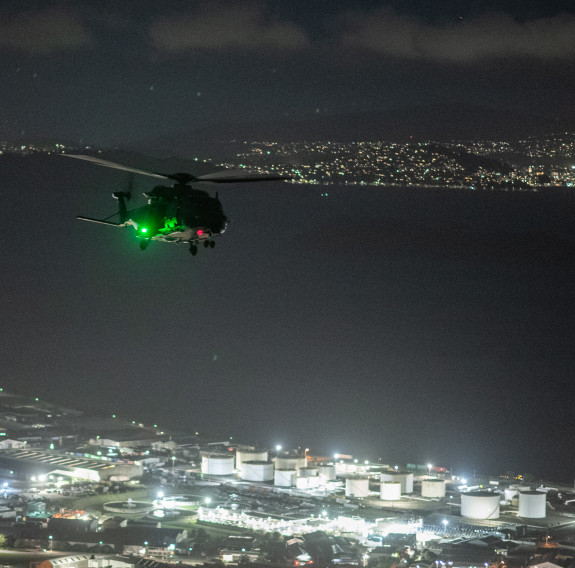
{"points": [[408, 324]]}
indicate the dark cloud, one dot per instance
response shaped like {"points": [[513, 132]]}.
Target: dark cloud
{"points": [[223, 25], [488, 36], [43, 31]]}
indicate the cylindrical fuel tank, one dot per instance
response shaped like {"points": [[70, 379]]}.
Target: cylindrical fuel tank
{"points": [[480, 505], [257, 471], [249, 455], [433, 488], [218, 464], [390, 491], [357, 487], [285, 477], [532, 504], [406, 480]]}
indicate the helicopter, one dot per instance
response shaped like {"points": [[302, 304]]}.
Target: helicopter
{"points": [[177, 213]]}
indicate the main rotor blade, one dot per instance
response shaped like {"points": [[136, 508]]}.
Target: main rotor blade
{"points": [[225, 176], [114, 165], [235, 176]]}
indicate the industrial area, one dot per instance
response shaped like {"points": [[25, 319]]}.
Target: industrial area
{"points": [[81, 491]]}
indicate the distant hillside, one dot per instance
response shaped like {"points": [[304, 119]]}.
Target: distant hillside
{"points": [[435, 122]]}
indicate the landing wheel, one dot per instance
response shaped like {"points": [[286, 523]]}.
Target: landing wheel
{"points": [[193, 250], [212, 244], [206, 244], [144, 244]]}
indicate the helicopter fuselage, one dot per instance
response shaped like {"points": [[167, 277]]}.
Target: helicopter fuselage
{"points": [[178, 214]]}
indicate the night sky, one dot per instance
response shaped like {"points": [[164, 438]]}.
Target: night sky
{"points": [[413, 325], [117, 72]]}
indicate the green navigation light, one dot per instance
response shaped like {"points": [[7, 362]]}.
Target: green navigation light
{"points": [[143, 230]]}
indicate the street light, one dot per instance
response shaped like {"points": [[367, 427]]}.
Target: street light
{"points": [[51, 543], [429, 466]]}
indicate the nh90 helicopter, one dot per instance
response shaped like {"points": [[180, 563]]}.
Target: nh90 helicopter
{"points": [[177, 213]]}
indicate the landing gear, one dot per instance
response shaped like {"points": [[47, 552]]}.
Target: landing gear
{"points": [[195, 246], [144, 244]]}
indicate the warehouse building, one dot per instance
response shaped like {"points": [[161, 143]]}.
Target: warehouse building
{"points": [[32, 465]]}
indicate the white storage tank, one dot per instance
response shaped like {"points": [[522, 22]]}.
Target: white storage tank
{"points": [[326, 472], [285, 477], [218, 464], [357, 487], [532, 504], [307, 472], [433, 488], [257, 471], [289, 463], [249, 455], [480, 505], [406, 480], [390, 491]]}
